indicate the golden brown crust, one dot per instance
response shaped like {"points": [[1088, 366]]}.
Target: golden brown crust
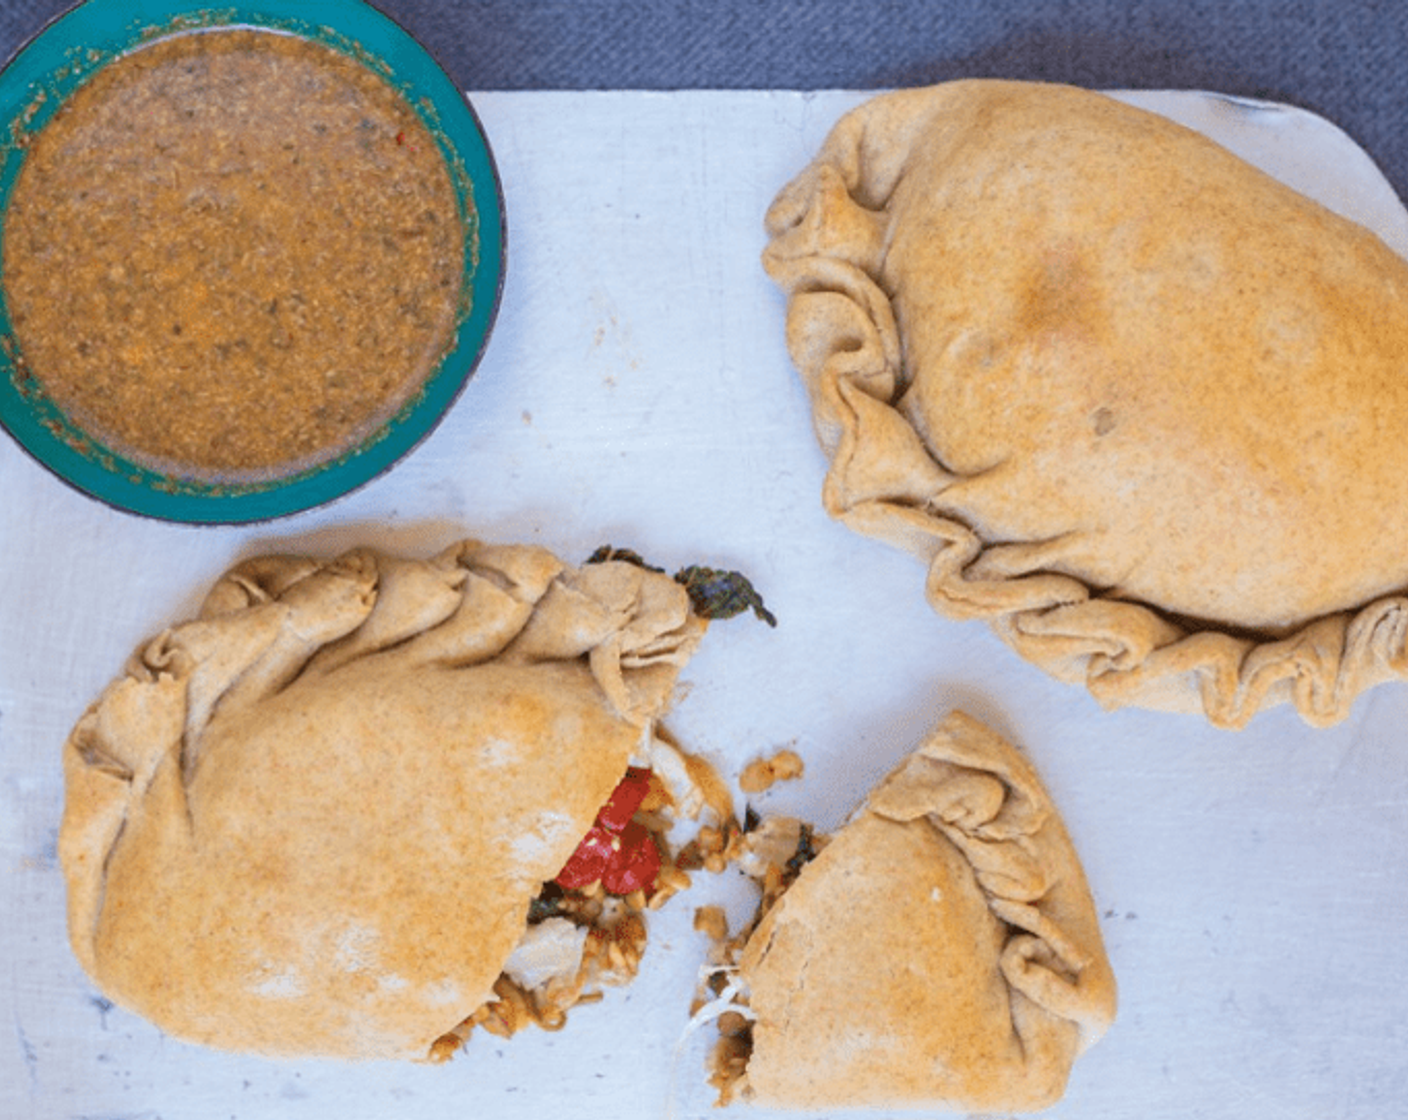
{"points": [[942, 950], [310, 821], [1134, 402]]}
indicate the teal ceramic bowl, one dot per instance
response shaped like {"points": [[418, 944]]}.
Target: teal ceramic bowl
{"points": [[76, 45]]}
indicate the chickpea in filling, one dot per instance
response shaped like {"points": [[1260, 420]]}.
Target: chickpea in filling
{"points": [[591, 932], [772, 852]]}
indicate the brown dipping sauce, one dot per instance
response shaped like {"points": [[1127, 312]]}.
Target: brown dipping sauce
{"points": [[233, 253]]}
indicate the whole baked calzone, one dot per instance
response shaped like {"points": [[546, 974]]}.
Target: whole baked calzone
{"points": [[1133, 401], [941, 950], [351, 810]]}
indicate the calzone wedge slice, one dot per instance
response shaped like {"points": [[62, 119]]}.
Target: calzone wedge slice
{"points": [[941, 950], [1132, 400]]}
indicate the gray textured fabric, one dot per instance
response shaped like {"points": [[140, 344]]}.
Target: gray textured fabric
{"points": [[1345, 59]]}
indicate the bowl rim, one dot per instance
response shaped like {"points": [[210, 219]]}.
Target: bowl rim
{"points": [[53, 61]]}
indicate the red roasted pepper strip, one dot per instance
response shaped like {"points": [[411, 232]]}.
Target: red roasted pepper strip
{"points": [[625, 799], [635, 863], [589, 862], [617, 850]]}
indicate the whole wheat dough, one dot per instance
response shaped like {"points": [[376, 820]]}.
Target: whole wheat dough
{"points": [[941, 952], [310, 821], [1133, 401]]}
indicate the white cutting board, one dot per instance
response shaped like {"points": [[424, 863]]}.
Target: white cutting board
{"points": [[637, 391]]}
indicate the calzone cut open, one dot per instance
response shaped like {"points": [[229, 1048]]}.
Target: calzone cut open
{"points": [[358, 807], [1132, 400]]}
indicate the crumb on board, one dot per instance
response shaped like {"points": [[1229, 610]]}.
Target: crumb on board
{"points": [[712, 922], [761, 774]]}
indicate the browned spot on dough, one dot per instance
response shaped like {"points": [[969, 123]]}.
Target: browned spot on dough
{"points": [[1061, 298]]}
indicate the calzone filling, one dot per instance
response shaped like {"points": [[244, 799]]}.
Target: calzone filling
{"points": [[586, 930]]}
